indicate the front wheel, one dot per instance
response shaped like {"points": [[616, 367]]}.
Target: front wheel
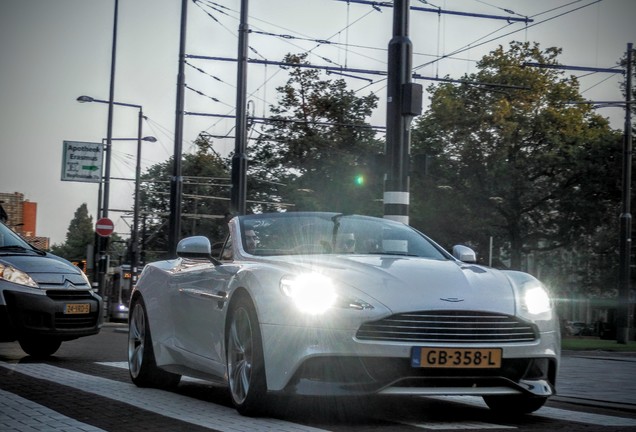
{"points": [[245, 364], [514, 405], [40, 347], [141, 358]]}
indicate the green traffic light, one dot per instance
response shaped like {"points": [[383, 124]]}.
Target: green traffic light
{"points": [[359, 180]]}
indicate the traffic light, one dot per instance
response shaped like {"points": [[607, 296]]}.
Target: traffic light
{"points": [[358, 180]]}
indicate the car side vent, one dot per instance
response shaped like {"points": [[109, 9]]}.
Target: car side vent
{"points": [[449, 326]]}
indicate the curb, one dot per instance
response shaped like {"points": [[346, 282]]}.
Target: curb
{"points": [[595, 403]]}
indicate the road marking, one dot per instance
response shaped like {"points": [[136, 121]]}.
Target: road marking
{"points": [[546, 412], [20, 414], [168, 404], [222, 418]]}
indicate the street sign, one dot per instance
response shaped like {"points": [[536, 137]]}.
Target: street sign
{"points": [[82, 161], [104, 227]]}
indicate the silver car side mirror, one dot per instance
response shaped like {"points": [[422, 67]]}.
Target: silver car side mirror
{"points": [[464, 254], [196, 247]]}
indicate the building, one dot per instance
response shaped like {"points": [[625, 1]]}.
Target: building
{"points": [[22, 217]]}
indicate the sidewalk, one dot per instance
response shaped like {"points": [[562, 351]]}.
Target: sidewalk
{"points": [[598, 378]]}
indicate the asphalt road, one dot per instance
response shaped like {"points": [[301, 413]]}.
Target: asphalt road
{"points": [[86, 387]]}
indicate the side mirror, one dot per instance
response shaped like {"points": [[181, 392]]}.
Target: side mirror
{"points": [[464, 253], [197, 247]]}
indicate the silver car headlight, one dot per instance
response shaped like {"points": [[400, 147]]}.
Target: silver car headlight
{"points": [[312, 293], [12, 274], [536, 300]]}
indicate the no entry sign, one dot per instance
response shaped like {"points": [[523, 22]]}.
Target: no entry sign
{"points": [[104, 227]]}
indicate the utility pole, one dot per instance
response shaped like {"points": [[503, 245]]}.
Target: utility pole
{"points": [[176, 182], [238, 195], [625, 308], [404, 101]]}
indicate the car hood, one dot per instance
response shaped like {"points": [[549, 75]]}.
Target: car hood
{"points": [[47, 269], [412, 283]]}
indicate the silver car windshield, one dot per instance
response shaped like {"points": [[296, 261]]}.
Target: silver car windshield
{"points": [[330, 233]]}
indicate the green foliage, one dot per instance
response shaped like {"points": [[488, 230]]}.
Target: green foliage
{"points": [[80, 234], [513, 160], [315, 144]]}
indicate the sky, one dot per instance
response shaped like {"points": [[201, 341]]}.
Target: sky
{"points": [[54, 51]]}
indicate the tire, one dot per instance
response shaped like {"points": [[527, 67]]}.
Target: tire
{"points": [[141, 358], [514, 405], [40, 347], [244, 359]]}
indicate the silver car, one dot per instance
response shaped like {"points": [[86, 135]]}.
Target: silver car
{"points": [[44, 299], [326, 304]]}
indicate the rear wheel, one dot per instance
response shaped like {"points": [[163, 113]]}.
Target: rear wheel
{"points": [[39, 347], [245, 364], [512, 405], [141, 358]]}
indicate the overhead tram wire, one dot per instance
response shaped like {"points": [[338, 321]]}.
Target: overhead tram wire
{"points": [[441, 11], [320, 42], [470, 46]]}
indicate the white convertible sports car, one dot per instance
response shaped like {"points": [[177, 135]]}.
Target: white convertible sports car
{"points": [[326, 304]]}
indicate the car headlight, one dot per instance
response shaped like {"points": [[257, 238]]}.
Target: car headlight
{"points": [[312, 293], [12, 274], [536, 300]]}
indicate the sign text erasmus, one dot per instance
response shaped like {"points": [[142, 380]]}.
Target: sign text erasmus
{"points": [[82, 161]]}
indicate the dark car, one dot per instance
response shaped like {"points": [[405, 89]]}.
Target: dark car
{"points": [[44, 299]]}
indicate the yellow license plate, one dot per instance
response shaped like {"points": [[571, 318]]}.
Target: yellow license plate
{"points": [[463, 358], [77, 308]]}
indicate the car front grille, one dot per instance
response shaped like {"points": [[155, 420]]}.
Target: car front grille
{"points": [[69, 295], [449, 326]]}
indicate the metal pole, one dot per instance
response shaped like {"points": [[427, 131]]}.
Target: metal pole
{"points": [[239, 159], [134, 235], [103, 244], [176, 182], [623, 315], [396, 184]]}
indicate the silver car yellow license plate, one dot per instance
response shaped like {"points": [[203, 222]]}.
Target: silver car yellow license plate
{"points": [[458, 358]]}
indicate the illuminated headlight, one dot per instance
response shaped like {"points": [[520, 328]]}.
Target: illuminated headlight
{"points": [[536, 300], [122, 308], [312, 293], [12, 274]]}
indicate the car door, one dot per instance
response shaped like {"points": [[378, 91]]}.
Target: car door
{"points": [[199, 313]]}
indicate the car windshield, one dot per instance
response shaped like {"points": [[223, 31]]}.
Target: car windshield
{"points": [[330, 233], [10, 240]]}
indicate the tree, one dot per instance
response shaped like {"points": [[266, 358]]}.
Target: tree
{"points": [[318, 145], [80, 234], [513, 159]]}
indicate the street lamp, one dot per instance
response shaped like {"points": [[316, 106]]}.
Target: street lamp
{"points": [[106, 180]]}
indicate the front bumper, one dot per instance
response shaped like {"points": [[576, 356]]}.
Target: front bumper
{"points": [[311, 361], [26, 314]]}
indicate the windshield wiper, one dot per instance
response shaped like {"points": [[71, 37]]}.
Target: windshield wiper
{"points": [[18, 248]]}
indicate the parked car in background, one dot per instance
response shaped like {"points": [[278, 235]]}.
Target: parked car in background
{"points": [[44, 299], [327, 304], [579, 328]]}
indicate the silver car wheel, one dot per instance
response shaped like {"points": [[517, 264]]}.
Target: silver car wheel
{"points": [[240, 355], [136, 340]]}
